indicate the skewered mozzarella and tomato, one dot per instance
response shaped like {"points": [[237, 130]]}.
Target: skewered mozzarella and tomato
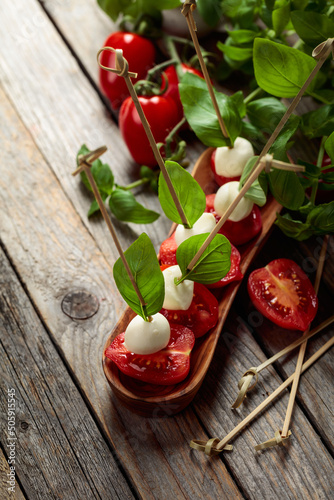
{"points": [[224, 197], [147, 337], [177, 296], [228, 163], [204, 224]]}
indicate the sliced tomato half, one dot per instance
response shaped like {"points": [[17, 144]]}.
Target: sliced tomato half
{"points": [[282, 292], [220, 179], [167, 253], [169, 366], [237, 232], [234, 273], [201, 316]]}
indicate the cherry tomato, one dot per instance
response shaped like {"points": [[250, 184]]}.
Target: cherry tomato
{"points": [[173, 85], [161, 114], [234, 273], [168, 366], [201, 315], [220, 179], [167, 256], [238, 232], [140, 54], [282, 292]]}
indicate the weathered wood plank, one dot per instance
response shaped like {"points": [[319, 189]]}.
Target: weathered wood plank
{"points": [[315, 392], [301, 469], [59, 450], [54, 254], [4, 484]]}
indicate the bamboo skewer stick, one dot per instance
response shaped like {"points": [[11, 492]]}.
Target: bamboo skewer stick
{"points": [[85, 163], [122, 70], [244, 382], [214, 446], [321, 51], [302, 350], [188, 7]]}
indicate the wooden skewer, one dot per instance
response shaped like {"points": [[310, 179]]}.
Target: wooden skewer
{"points": [[188, 7], [213, 450], [302, 349], [321, 51], [244, 382], [122, 70], [85, 163]]}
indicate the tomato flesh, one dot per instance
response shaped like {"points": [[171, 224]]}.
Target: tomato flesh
{"points": [[140, 54], [161, 114], [282, 292], [167, 253], [168, 366], [220, 179], [201, 316], [239, 232]]}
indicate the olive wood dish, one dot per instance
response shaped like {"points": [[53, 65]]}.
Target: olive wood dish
{"points": [[157, 400]]}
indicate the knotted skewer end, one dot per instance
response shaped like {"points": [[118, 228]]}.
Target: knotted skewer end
{"points": [[278, 440], [209, 447]]}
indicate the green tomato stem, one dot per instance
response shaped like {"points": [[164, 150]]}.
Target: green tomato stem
{"points": [[135, 184], [319, 162]]}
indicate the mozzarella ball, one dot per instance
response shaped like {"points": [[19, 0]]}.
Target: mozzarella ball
{"points": [[147, 337], [224, 197], [177, 297], [204, 224], [230, 162]]}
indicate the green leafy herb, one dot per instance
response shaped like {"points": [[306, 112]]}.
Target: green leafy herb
{"points": [[134, 8], [236, 53], [145, 268], [125, 207], [280, 15], [212, 266], [329, 146], [319, 122], [293, 228], [201, 115], [286, 188], [266, 113], [319, 221], [257, 191], [312, 27], [210, 11], [189, 193], [281, 70], [101, 172]]}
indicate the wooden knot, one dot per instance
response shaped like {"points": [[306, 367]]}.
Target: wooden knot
{"points": [[122, 65], [188, 7], [244, 385], [268, 162], [89, 158], [277, 440], [323, 49], [209, 447]]}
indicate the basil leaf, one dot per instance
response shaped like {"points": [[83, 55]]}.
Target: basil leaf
{"points": [[319, 122], [188, 191], [312, 27], [146, 271], [311, 171], [326, 96], [293, 228], [281, 144], [286, 188], [235, 53], [322, 218], [241, 11], [94, 208], [329, 146], [125, 207], [255, 192], [238, 99], [242, 36], [281, 70], [252, 133], [135, 8], [210, 11], [266, 113], [101, 172], [212, 266], [281, 16], [201, 115]]}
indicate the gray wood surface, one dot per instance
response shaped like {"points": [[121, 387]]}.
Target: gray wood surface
{"points": [[48, 108]]}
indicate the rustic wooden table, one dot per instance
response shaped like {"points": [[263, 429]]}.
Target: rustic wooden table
{"points": [[74, 440]]}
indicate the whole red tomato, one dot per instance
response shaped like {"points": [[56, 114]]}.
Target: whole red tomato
{"points": [[161, 114], [173, 85], [282, 292], [140, 54]]}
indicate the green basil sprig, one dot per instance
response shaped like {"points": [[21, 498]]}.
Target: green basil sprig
{"points": [[145, 268], [189, 193], [312, 27], [319, 221], [214, 263], [257, 193], [122, 202]]}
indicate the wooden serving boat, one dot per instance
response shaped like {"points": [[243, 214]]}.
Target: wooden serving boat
{"points": [[155, 401]]}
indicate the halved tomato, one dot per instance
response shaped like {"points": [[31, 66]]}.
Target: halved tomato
{"points": [[200, 316], [167, 253], [237, 232], [234, 273], [282, 292], [220, 179], [168, 366]]}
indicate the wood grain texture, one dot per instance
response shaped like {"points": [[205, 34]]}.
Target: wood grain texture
{"points": [[54, 254], [4, 471], [301, 469], [59, 451]]}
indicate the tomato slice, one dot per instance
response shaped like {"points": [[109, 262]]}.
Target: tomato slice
{"points": [[282, 292], [200, 316], [239, 232], [168, 366], [167, 253], [234, 273], [220, 179]]}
